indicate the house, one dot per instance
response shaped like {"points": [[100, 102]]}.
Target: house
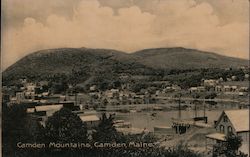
{"points": [[210, 83], [246, 76], [29, 95], [193, 90], [30, 87], [244, 89], [30, 110], [171, 88], [201, 89], [45, 94], [176, 88], [242, 94], [218, 88], [91, 121], [234, 78], [197, 89], [167, 89], [43, 83], [23, 81], [232, 122], [221, 79], [113, 93], [227, 88], [234, 88], [44, 111], [20, 96], [49, 110], [93, 88], [231, 89]]}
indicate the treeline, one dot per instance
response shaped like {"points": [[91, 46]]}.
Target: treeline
{"points": [[191, 78], [108, 75], [65, 127]]}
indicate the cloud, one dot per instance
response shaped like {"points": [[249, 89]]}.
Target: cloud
{"points": [[173, 23], [197, 26]]}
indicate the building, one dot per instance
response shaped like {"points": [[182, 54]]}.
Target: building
{"points": [[43, 112], [43, 83], [176, 88], [49, 110], [234, 88], [93, 88], [227, 88], [235, 122], [199, 89], [30, 87], [112, 94], [234, 78], [218, 88], [246, 76], [91, 121], [210, 83], [193, 90], [244, 89], [20, 96]]}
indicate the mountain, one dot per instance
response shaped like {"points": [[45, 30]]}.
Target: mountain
{"points": [[182, 58], [77, 65], [81, 64]]}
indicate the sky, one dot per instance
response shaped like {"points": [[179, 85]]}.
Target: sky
{"points": [[220, 26]]}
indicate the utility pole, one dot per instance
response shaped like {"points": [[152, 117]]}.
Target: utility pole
{"points": [[195, 109], [179, 101], [204, 108], [75, 97]]}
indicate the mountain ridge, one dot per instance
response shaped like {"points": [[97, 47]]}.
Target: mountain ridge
{"points": [[85, 62]]}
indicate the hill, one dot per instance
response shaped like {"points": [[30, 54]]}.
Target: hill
{"points": [[79, 65], [182, 58], [73, 65]]}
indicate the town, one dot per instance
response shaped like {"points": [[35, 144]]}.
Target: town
{"points": [[210, 110]]}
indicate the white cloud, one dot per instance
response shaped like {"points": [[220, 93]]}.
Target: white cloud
{"points": [[174, 23]]}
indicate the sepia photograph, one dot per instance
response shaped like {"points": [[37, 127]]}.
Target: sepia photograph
{"points": [[125, 78]]}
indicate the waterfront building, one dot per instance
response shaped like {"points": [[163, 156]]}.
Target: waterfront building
{"points": [[232, 122]]}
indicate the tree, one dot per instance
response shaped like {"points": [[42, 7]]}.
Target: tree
{"points": [[230, 148], [211, 95], [64, 126], [105, 131], [18, 126]]}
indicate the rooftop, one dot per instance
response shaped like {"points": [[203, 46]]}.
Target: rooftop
{"points": [[217, 136], [88, 118], [239, 119], [48, 107]]}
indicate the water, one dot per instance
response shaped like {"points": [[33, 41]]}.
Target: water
{"points": [[163, 118]]}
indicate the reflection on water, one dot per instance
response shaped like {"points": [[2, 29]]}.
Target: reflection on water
{"points": [[163, 118]]}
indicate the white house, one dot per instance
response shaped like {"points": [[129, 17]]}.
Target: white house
{"points": [[233, 121], [197, 89], [210, 83], [93, 88]]}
